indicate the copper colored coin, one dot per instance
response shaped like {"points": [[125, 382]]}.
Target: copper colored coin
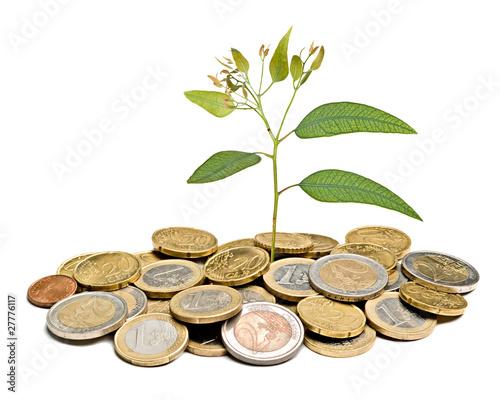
{"points": [[47, 291]]}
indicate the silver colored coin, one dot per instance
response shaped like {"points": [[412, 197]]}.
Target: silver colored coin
{"points": [[439, 271], [135, 298], [401, 279], [87, 315], [263, 334], [206, 302], [348, 277]]}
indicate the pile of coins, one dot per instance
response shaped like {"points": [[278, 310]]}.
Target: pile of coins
{"points": [[191, 294]]}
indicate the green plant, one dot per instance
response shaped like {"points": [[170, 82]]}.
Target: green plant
{"points": [[331, 119]]}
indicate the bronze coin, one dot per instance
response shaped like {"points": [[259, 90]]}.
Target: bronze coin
{"points": [[48, 290]]}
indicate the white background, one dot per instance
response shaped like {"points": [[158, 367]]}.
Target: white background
{"points": [[422, 61]]}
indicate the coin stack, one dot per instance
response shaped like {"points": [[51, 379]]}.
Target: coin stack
{"points": [[332, 297]]}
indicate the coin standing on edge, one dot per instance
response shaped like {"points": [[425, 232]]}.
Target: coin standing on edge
{"points": [[206, 304], [107, 271], [440, 271], [184, 242], [253, 293], [151, 339], [163, 279], [377, 253], [331, 318], [136, 300], [391, 238], [47, 291], [237, 266], [263, 334], [430, 300], [392, 317], [87, 315], [205, 340], [288, 279], [341, 348], [348, 277], [322, 245], [288, 243]]}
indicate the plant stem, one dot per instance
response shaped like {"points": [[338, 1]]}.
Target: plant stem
{"points": [[276, 197]]}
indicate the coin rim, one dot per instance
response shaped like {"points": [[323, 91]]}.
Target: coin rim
{"points": [[259, 290], [50, 304], [185, 254], [390, 269], [316, 253], [289, 250], [200, 349], [400, 254], [137, 294]]}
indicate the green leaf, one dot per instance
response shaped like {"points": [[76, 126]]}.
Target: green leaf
{"points": [[278, 67], [335, 186], [306, 77], [216, 103], [296, 68], [319, 59], [223, 164], [344, 117], [240, 61]]}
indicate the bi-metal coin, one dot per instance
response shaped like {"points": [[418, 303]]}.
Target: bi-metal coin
{"points": [[323, 245], [396, 279], [163, 279], [392, 239], [253, 293], [377, 253], [263, 334], [47, 291], [87, 315], [136, 300], [392, 317], [348, 277], [151, 339], [440, 271], [184, 242], [288, 243]]}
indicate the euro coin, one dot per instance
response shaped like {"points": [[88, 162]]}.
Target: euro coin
{"points": [[47, 291], [148, 257], [322, 245], [253, 293], [398, 278], [392, 317], [380, 254], [87, 315], [135, 298], [68, 267], [206, 304], [391, 238], [163, 279], [158, 306], [440, 271], [184, 242], [235, 243], [288, 243], [151, 339], [348, 277], [205, 340], [263, 334]]}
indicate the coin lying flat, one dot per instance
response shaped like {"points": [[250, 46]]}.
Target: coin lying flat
{"points": [[431, 300], [136, 300], [47, 291], [87, 315], [331, 318], [148, 257], [253, 293], [288, 243], [67, 267], [288, 279], [440, 271], [151, 339], [392, 239], [163, 279], [380, 254], [158, 306], [184, 242], [263, 334], [206, 304], [107, 271], [341, 348], [237, 266], [323, 245], [392, 317], [348, 277], [205, 340], [235, 243], [398, 278]]}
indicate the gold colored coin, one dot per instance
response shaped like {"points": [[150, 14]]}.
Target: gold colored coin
{"points": [[432, 301], [253, 293], [163, 279], [205, 340], [158, 306], [393, 277], [341, 348], [235, 243], [151, 339], [392, 239], [206, 304], [292, 306], [184, 242], [148, 257], [68, 267], [392, 317], [323, 245], [107, 271], [237, 266], [288, 243], [380, 254], [331, 318], [288, 279]]}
